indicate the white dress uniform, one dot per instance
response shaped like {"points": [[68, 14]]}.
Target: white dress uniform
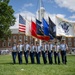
{"points": [[14, 53], [26, 47], [26, 52], [38, 49], [14, 49], [56, 48], [44, 48], [63, 48], [32, 49], [50, 53], [19, 48], [50, 47], [56, 54], [44, 51]]}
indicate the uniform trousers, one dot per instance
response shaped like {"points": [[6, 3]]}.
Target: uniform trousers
{"points": [[14, 57], [38, 57], [63, 56], [44, 56], [20, 57], [57, 57], [26, 56], [32, 57], [50, 54]]}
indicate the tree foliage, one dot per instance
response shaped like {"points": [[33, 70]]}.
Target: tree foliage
{"points": [[7, 19]]}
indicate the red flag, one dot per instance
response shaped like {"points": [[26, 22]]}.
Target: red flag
{"points": [[33, 29], [33, 33]]}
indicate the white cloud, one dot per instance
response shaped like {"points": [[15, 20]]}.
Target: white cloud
{"points": [[61, 15], [70, 4], [28, 5], [72, 17], [25, 14]]}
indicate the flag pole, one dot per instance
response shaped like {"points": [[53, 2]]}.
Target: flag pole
{"points": [[40, 18]]}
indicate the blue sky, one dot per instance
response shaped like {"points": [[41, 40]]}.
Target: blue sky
{"points": [[62, 8]]}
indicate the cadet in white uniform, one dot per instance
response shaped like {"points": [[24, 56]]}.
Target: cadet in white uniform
{"points": [[32, 50], [26, 47], [20, 48], [56, 53], [44, 52], [63, 48], [50, 52], [14, 52], [38, 50]]}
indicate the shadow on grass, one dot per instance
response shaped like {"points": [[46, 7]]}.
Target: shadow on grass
{"points": [[10, 63]]}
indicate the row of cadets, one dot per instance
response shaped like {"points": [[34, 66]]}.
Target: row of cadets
{"points": [[35, 50]]}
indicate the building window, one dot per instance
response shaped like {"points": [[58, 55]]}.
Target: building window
{"points": [[4, 43], [74, 44], [69, 43], [26, 38], [74, 39], [14, 37], [20, 37], [9, 44], [69, 39], [9, 38]]}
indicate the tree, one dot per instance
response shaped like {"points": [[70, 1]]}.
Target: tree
{"points": [[7, 19]]}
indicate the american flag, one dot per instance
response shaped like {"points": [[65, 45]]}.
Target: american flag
{"points": [[22, 24]]}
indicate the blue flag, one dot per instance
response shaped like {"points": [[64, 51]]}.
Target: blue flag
{"points": [[46, 29], [39, 27]]}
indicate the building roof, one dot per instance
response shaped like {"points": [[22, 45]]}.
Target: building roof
{"points": [[14, 31]]}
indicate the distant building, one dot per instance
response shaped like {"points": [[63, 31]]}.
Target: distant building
{"points": [[15, 37], [42, 13]]}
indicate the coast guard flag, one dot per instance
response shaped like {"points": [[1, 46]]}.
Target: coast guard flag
{"points": [[64, 28], [22, 24]]}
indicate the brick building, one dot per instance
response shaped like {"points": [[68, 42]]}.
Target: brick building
{"points": [[16, 36]]}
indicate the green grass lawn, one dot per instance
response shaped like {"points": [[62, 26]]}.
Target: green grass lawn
{"points": [[7, 68]]}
